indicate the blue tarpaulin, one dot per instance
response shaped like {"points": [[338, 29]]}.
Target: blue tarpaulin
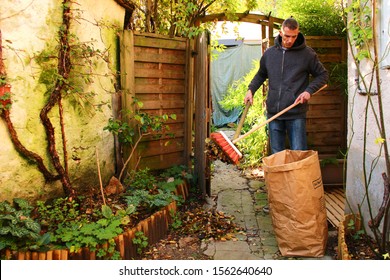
{"points": [[231, 65]]}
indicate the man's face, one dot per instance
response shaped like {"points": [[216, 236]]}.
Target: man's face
{"points": [[288, 37]]}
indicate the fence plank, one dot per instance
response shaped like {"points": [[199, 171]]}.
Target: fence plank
{"points": [[154, 42], [143, 56], [159, 73]]}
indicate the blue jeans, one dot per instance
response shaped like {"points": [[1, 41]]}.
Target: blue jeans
{"points": [[294, 129]]}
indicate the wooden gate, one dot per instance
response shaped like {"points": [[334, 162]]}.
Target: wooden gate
{"points": [[154, 71]]}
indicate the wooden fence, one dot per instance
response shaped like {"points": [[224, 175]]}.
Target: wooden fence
{"points": [[155, 73], [327, 116]]}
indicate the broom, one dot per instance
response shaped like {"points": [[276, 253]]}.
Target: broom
{"points": [[228, 146], [221, 139]]}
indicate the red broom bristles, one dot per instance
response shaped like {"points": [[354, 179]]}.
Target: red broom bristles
{"points": [[227, 146]]}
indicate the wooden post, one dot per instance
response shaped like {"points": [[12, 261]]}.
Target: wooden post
{"points": [[189, 102], [201, 128], [271, 31], [127, 84]]}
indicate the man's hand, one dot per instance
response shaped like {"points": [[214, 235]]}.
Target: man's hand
{"points": [[248, 97], [303, 97]]}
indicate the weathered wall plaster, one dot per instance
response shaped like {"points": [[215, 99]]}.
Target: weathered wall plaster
{"points": [[355, 188], [28, 27]]}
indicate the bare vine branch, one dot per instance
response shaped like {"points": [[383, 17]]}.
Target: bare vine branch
{"points": [[49, 177], [64, 66]]}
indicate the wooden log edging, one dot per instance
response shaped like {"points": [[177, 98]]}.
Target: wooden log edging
{"points": [[155, 228], [342, 248]]}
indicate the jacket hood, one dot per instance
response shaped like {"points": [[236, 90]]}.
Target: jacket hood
{"points": [[299, 43]]}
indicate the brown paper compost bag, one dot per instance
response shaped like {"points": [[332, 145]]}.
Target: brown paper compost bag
{"points": [[297, 202]]}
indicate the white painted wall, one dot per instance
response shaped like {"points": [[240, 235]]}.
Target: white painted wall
{"points": [[374, 162], [27, 28]]}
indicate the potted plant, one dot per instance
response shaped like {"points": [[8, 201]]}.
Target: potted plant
{"points": [[332, 170]]}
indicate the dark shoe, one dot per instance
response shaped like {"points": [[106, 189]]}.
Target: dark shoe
{"points": [[266, 209]]}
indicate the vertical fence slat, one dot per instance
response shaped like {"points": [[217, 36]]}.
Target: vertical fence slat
{"points": [[22, 256], [64, 255], [42, 255], [120, 246], [153, 232], [49, 255]]}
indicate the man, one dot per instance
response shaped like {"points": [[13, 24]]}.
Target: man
{"points": [[288, 66]]}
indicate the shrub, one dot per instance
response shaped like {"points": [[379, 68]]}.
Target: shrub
{"points": [[315, 17], [17, 229]]}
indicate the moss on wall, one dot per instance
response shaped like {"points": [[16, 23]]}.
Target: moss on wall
{"points": [[86, 109]]}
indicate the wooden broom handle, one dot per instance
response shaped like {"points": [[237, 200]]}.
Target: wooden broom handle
{"points": [[256, 127], [242, 119]]}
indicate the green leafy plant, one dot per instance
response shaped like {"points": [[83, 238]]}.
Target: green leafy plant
{"points": [[170, 185], [180, 18], [152, 201], [82, 233], [141, 241], [176, 220], [177, 172], [141, 179], [121, 129], [144, 190], [57, 213], [352, 227], [137, 198], [162, 198], [316, 17], [17, 229], [146, 124]]}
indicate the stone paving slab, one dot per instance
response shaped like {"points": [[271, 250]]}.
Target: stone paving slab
{"points": [[234, 195]]}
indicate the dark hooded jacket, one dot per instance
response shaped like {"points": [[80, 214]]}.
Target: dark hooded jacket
{"points": [[289, 72]]}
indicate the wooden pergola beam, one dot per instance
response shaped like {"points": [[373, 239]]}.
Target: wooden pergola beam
{"points": [[243, 17], [266, 21]]}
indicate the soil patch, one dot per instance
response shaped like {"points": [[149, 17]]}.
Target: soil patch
{"points": [[361, 247], [191, 226]]}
